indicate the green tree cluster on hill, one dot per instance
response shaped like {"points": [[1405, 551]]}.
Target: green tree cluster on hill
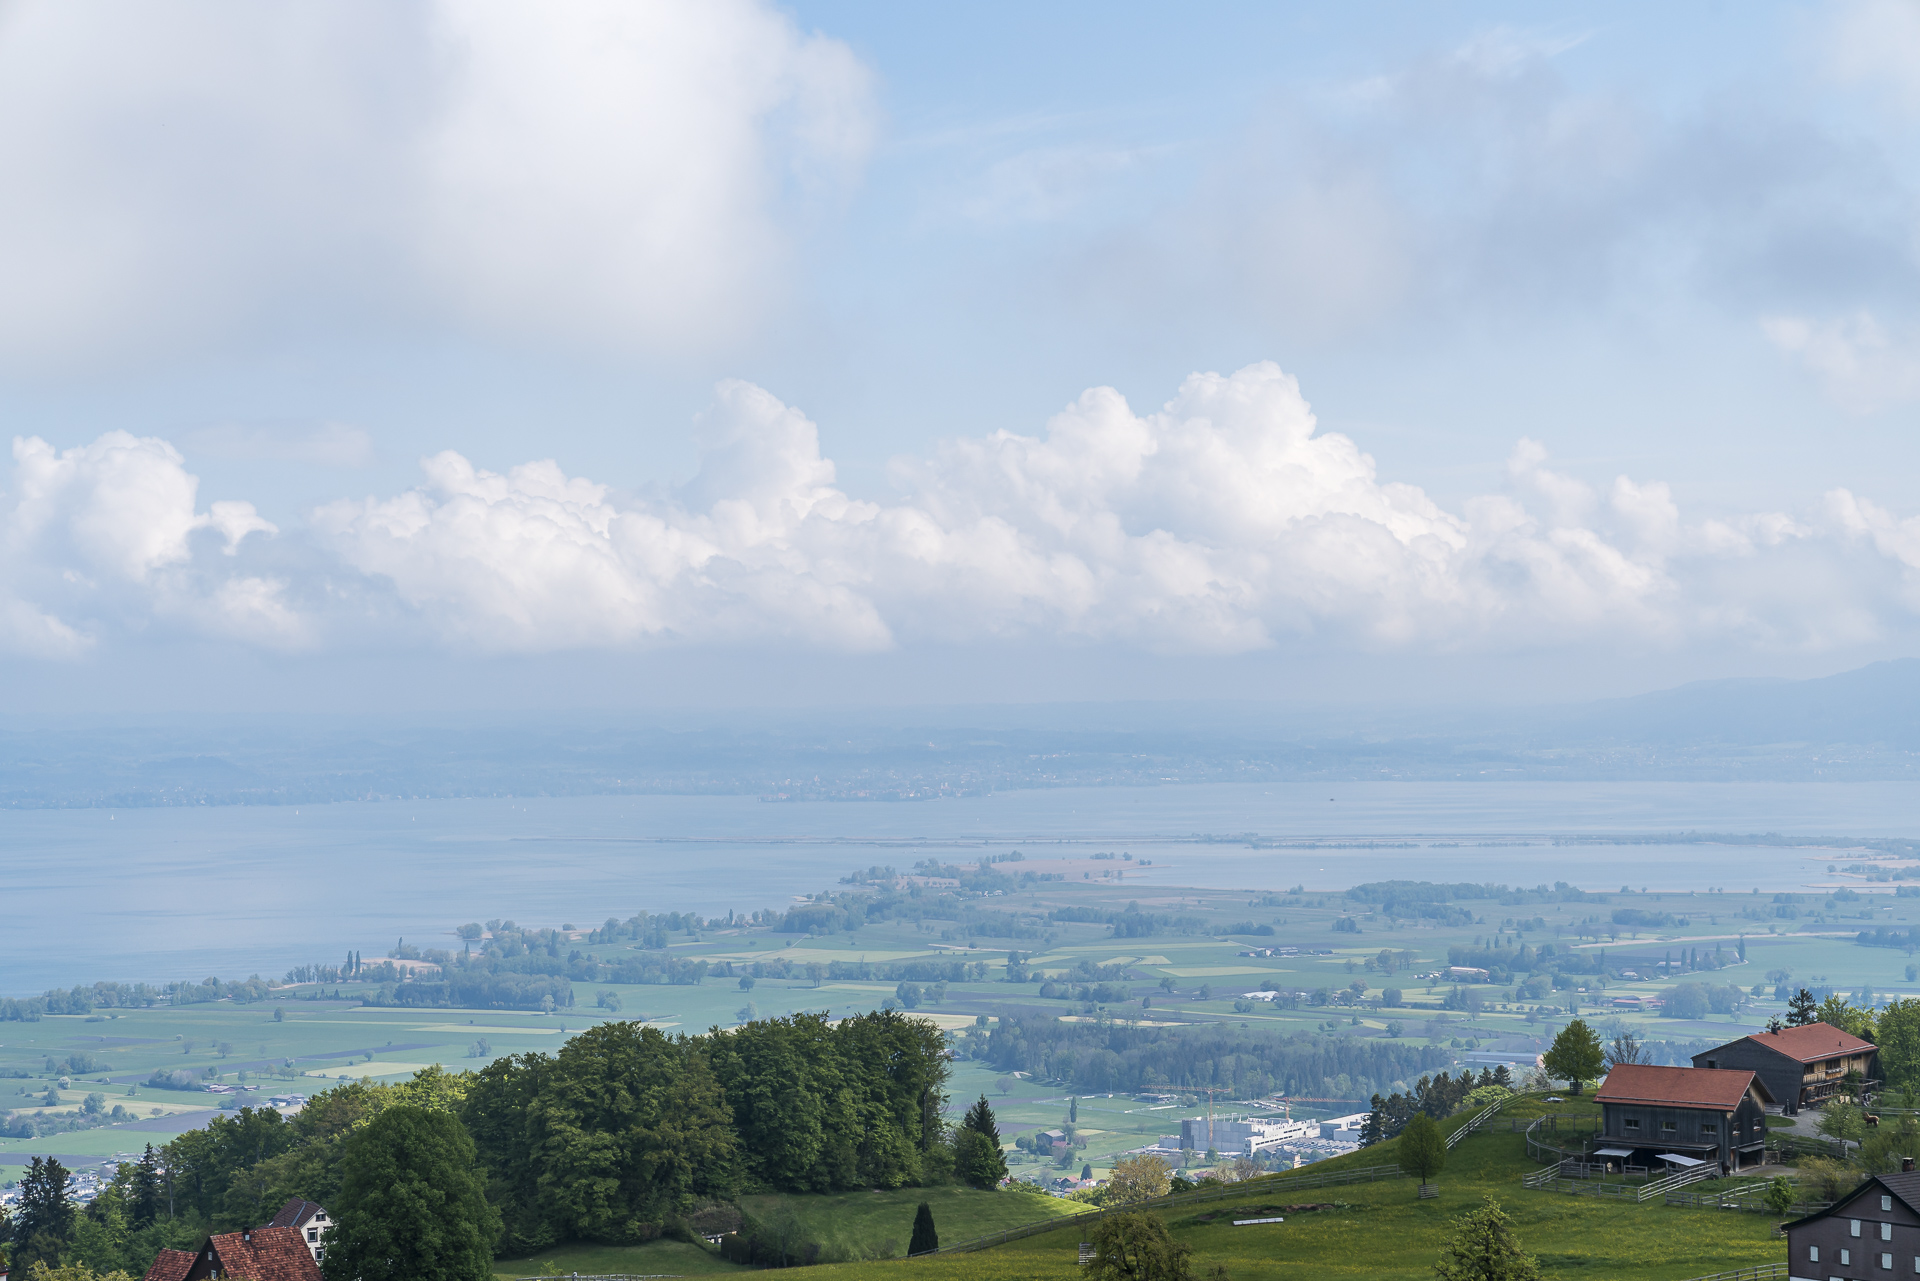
{"points": [[627, 1127]]}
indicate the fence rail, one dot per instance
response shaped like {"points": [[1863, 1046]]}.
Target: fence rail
{"points": [[1758, 1272], [1280, 1185], [1478, 1119]]}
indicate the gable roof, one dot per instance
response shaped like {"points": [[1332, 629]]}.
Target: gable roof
{"points": [[1679, 1087], [295, 1213], [265, 1254], [1810, 1043], [170, 1265], [1904, 1187]]}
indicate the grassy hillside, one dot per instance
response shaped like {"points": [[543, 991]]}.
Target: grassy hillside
{"points": [[848, 1225], [866, 1222], [1382, 1230]]}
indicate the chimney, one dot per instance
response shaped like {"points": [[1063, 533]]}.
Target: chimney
{"points": [[246, 1238], [1906, 1165]]}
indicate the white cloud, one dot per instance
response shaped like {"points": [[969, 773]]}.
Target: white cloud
{"points": [[1223, 522], [109, 529], [627, 171], [1861, 364]]}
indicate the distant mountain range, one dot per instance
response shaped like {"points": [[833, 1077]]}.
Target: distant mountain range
{"points": [[1858, 725]]}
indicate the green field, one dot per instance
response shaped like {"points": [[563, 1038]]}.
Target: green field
{"points": [[1173, 977], [1382, 1230]]}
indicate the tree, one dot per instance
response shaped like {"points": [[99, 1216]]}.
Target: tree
{"points": [[43, 1221], [1779, 1195], [1801, 1009], [924, 1240], [1483, 1248], [1375, 1128], [1626, 1048], [73, 1272], [1843, 1121], [412, 1206], [1685, 1001], [980, 1120], [1073, 1110], [1086, 1171], [1423, 1152], [976, 1161], [1575, 1056], [143, 1188], [1898, 1033], [1138, 1178], [1137, 1247]]}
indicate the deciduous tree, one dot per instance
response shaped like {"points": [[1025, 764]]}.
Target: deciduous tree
{"points": [[1137, 1247], [1138, 1178], [411, 1204], [1575, 1056], [1423, 1152]]}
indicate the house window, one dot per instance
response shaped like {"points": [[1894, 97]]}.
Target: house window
{"points": [[313, 1234], [1631, 1124], [1886, 1260], [1710, 1127], [1846, 1257], [1666, 1128], [1813, 1256]]}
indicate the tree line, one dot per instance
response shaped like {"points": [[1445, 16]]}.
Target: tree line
{"points": [[1092, 1057]]}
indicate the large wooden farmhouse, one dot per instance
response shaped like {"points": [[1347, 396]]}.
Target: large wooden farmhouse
{"points": [[1802, 1066], [1873, 1231], [1682, 1116]]}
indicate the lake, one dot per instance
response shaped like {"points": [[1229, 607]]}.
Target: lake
{"points": [[159, 894]]}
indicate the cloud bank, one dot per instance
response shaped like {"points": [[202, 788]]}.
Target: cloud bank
{"points": [[1224, 522], [624, 174]]}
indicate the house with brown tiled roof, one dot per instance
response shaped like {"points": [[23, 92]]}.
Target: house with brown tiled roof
{"points": [[171, 1265], [257, 1254], [1802, 1066], [311, 1220], [1682, 1116]]}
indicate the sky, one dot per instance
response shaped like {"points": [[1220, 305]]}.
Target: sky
{"points": [[610, 353]]}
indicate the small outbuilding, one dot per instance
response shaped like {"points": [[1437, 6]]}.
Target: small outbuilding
{"points": [[1684, 1116]]}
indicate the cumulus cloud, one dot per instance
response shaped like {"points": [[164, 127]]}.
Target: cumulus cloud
{"points": [[112, 530], [628, 171], [1224, 521]]}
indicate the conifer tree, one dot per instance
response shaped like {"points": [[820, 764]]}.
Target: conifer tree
{"points": [[1802, 1009], [1483, 1248], [980, 1120], [925, 1240], [144, 1190]]}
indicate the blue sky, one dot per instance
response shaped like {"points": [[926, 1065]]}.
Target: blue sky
{"points": [[706, 353]]}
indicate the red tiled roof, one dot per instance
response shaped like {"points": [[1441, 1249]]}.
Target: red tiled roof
{"points": [[1812, 1042], [170, 1265], [1677, 1087], [265, 1254], [295, 1213]]}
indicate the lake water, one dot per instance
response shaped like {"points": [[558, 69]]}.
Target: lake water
{"points": [[160, 894]]}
